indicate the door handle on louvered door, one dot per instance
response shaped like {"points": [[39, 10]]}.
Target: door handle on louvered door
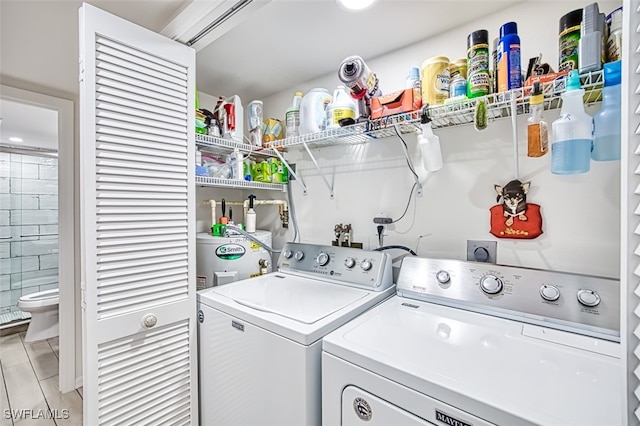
{"points": [[149, 320]]}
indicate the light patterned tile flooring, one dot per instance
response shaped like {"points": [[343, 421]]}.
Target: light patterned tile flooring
{"points": [[29, 385]]}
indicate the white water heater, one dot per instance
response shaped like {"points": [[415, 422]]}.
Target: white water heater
{"points": [[221, 260]]}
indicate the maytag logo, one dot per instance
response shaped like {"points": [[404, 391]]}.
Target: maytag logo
{"points": [[230, 251], [448, 420]]}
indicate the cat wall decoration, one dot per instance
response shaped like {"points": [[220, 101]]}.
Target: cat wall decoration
{"points": [[514, 217]]}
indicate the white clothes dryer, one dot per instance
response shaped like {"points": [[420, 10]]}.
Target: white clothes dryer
{"points": [[465, 343], [260, 339]]}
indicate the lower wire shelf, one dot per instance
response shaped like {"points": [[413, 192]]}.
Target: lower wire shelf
{"points": [[238, 184]]}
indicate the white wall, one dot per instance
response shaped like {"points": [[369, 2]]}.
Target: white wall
{"points": [[580, 212]]}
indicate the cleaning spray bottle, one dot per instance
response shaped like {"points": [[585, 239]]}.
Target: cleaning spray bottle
{"points": [[250, 220], [572, 132], [429, 144]]}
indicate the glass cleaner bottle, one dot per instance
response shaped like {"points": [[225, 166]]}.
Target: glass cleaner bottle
{"points": [[607, 122], [572, 132]]}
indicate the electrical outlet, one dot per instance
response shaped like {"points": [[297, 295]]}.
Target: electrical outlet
{"points": [[383, 220], [482, 251], [384, 229]]}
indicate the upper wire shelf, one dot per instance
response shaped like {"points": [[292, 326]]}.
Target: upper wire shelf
{"points": [[453, 114]]}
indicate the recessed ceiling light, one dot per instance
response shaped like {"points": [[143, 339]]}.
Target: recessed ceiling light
{"points": [[355, 4], [15, 139]]}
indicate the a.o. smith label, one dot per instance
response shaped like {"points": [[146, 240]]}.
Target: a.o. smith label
{"points": [[448, 420], [230, 251]]}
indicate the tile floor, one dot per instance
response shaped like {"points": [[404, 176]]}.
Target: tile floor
{"points": [[29, 387]]}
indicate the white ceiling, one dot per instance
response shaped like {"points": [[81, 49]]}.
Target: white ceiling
{"points": [[280, 45]]}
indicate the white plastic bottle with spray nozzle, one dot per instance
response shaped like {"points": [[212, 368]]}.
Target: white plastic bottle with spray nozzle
{"points": [[429, 145], [250, 219]]}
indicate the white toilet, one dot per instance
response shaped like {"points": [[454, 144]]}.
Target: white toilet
{"points": [[43, 307]]}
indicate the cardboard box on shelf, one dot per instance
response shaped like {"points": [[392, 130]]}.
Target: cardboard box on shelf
{"points": [[406, 100], [557, 78]]}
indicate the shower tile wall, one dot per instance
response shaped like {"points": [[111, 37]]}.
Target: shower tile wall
{"points": [[29, 215]]}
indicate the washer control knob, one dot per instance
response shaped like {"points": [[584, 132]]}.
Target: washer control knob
{"points": [[349, 262], [588, 298], [491, 284], [365, 265], [298, 256], [322, 259], [549, 292], [443, 276], [287, 254]]}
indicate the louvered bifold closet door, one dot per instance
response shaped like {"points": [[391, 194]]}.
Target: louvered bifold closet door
{"points": [[631, 206], [137, 186]]}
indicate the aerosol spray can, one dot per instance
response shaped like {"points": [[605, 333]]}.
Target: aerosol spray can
{"points": [[361, 81], [254, 120]]}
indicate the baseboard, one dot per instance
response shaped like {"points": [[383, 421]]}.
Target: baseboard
{"points": [[17, 327]]}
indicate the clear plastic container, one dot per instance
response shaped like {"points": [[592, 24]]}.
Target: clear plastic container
{"points": [[607, 121], [572, 132]]}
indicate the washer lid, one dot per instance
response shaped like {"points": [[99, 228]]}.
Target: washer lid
{"points": [[486, 365], [299, 299]]}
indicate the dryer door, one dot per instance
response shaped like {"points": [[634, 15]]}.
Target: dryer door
{"points": [[360, 408]]}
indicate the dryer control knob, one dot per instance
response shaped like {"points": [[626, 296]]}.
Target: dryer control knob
{"points": [[588, 298], [349, 262], [288, 254], [322, 259], [299, 255], [491, 284], [549, 292], [365, 265], [443, 276]]}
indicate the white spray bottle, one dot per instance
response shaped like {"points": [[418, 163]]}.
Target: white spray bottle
{"points": [[429, 144], [250, 220]]}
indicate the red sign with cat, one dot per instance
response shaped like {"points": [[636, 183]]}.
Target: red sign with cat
{"points": [[515, 218]]}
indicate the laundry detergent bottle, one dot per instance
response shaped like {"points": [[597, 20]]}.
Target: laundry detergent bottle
{"points": [[572, 132]]}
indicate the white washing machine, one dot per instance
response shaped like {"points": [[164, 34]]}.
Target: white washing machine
{"points": [[260, 340], [466, 343]]}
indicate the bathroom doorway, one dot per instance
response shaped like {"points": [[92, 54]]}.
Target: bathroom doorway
{"points": [[37, 214]]}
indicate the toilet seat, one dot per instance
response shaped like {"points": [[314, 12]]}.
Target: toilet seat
{"points": [[39, 300]]}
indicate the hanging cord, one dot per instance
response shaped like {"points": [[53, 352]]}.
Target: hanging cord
{"points": [[406, 152], [408, 204], [292, 214], [252, 238], [419, 239], [396, 247]]}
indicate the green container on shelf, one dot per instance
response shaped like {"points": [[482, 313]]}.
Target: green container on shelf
{"points": [[262, 172], [279, 172]]}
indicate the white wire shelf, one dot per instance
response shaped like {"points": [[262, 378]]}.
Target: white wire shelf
{"points": [[227, 145], [238, 184], [454, 114]]}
